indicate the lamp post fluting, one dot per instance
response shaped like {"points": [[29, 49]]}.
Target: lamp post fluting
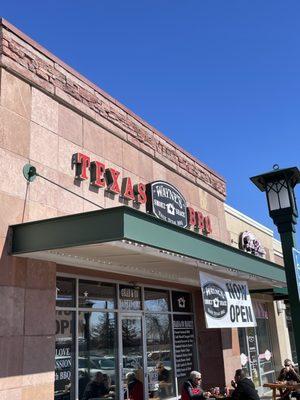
{"points": [[279, 187]]}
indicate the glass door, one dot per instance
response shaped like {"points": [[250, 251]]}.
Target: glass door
{"points": [[133, 360]]}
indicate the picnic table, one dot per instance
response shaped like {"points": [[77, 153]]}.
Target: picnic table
{"points": [[281, 387]]}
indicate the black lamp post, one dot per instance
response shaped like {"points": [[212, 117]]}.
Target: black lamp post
{"points": [[279, 187]]}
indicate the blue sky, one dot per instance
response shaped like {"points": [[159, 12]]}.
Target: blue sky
{"points": [[220, 78]]}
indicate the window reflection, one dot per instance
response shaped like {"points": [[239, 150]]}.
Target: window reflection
{"points": [[96, 295], [156, 300], [159, 356], [130, 297], [133, 375], [65, 292], [97, 372]]}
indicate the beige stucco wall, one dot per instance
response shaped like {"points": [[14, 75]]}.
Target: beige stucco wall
{"points": [[237, 223]]}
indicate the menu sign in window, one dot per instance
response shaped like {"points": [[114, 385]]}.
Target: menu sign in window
{"points": [[184, 344]]}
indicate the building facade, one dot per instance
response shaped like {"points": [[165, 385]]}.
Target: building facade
{"points": [[99, 275]]}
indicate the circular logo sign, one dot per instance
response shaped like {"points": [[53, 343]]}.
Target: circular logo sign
{"points": [[215, 301], [166, 203]]}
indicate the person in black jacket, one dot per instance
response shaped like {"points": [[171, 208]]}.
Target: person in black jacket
{"points": [[244, 388], [96, 388], [289, 372]]}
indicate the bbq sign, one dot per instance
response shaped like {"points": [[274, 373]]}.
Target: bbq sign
{"points": [[167, 203], [161, 198], [227, 303]]}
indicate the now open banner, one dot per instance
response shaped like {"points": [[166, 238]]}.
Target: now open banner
{"points": [[227, 303]]}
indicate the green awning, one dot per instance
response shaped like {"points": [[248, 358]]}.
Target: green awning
{"points": [[278, 293], [128, 225]]}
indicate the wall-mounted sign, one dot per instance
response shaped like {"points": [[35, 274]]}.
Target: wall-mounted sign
{"points": [[108, 178], [227, 303], [161, 198], [167, 203], [250, 244]]}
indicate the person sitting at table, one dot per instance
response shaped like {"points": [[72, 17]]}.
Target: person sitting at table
{"points": [[97, 387], [192, 390], [135, 389], [244, 388], [289, 373]]}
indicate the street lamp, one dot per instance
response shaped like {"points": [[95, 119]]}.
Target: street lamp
{"points": [[279, 187]]}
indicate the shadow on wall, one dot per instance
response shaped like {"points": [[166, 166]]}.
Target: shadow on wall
{"points": [[27, 319]]}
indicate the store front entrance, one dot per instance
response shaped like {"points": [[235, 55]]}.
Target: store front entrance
{"points": [[117, 341]]}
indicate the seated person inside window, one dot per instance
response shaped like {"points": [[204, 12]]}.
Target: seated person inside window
{"points": [[135, 389], [164, 380], [97, 387]]}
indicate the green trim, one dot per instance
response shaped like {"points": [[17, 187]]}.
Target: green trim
{"points": [[72, 230], [127, 223], [277, 293]]}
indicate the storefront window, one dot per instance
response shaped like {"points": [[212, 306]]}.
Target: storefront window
{"points": [[96, 295], [159, 356], [97, 361], [130, 298], [256, 347], [64, 387], [133, 371], [65, 292], [118, 347], [244, 356], [156, 300]]}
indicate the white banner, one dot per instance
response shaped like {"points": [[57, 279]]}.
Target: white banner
{"points": [[227, 303]]}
